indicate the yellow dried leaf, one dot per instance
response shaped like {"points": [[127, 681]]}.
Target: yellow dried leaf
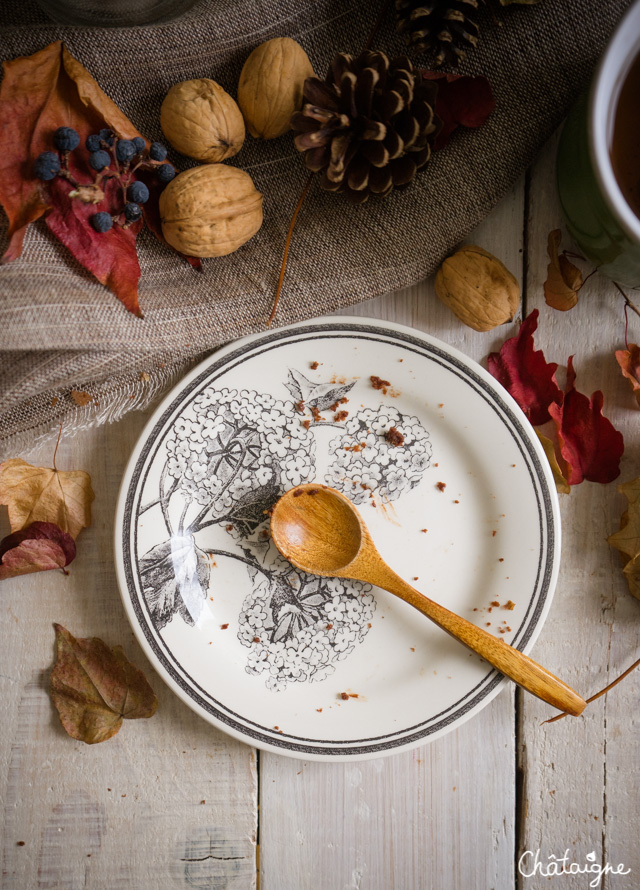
{"points": [[549, 449], [631, 571], [564, 280], [41, 494], [627, 540]]}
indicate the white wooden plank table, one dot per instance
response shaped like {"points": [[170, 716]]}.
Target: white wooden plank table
{"points": [[172, 802]]}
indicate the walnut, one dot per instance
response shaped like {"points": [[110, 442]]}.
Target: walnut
{"points": [[270, 87], [210, 210], [478, 288], [202, 121]]}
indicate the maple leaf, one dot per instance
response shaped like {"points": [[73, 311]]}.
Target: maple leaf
{"points": [[564, 280], [558, 476], [629, 361], [316, 395], [461, 101], [94, 687], [525, 373], [589, 443], [175, 577], [48, 495], [37, 548]]}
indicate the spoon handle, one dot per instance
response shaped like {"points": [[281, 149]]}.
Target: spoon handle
{"points": [[509, 661]]}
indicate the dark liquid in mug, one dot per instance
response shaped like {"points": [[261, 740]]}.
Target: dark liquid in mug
{"points": [[625, 145]]}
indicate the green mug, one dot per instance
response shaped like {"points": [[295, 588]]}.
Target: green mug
{"points": [[597, 215]]}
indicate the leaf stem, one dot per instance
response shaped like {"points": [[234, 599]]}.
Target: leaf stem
{"points": [[602, 691], [627, 301], [376, 26], [283, 267], [55, 451]]}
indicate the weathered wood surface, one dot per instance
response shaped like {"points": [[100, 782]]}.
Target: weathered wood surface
{"points": [[580, 777], [171, 802], [441, 816]]}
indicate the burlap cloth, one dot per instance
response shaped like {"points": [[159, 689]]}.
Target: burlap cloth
{"points": [[61, 330]]}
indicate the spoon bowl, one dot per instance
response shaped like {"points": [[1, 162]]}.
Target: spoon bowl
{"points": [[320, 531], [322, 540]]}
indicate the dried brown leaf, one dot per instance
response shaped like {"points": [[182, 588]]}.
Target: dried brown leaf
{"points": [[94, 687], [631, 571], [627, 540], [48, 495], [564, 280], [629, 361], [550, 450]]}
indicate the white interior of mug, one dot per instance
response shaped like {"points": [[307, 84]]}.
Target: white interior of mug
{"points": [[603, 101]]}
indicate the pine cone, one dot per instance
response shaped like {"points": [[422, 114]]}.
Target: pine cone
{"points": [[368, 127], [446, 26]]}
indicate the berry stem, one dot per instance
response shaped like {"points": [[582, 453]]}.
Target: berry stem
{"points": [[64, 169], [66, 174], [283, 267]]}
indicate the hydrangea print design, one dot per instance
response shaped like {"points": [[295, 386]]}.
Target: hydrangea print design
{"points": [[229, 458], [367, 463]]}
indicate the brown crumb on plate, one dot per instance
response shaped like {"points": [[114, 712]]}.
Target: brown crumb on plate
{"points": [[394, 437]]}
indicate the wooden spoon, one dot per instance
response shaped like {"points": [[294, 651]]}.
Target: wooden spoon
{"points": [[320, 531]]}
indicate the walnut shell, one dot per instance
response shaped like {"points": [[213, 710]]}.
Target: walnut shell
{"points": [[210, 210], [270, 87], [202, 121], [478, 288]]}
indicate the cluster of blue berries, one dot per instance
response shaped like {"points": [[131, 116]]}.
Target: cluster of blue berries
{"points": [[105, 147]]}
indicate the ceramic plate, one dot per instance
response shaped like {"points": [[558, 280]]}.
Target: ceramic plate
{"points": [[461, 504]]}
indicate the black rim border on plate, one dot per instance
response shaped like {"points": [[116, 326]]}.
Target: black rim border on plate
{"points": [[409, 735]]}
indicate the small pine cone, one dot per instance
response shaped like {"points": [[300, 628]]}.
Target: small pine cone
{"points": [[446, 27], [369, 127]]}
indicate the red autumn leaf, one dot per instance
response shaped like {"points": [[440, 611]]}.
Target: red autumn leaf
{"points": [[525, 373], [151, 211], [38, 94], [629, 361], [589, 443], [110, 256], [462, 100], [37, 548]]}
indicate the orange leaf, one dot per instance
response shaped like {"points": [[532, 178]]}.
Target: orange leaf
{"points": [[94, 687], [564, 280], [550, 450], [629, 361]]}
